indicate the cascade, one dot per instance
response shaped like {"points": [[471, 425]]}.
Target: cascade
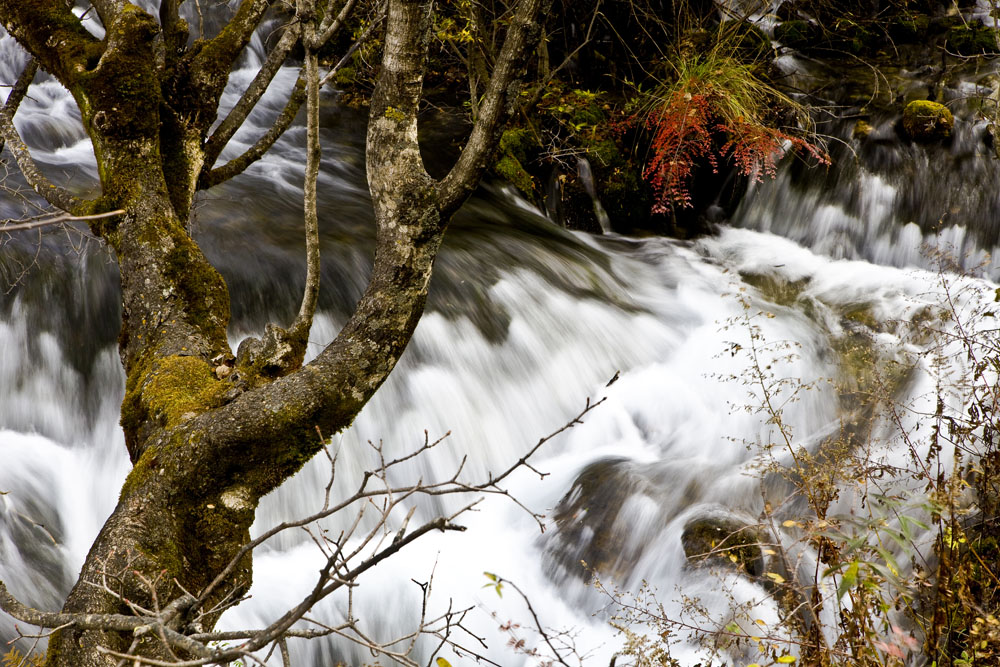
{"points": [[524, 322]]}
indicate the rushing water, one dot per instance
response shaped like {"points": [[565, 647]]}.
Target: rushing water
{"points": [[525, 322]]}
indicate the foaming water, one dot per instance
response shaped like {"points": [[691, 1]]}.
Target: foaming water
{"points": [[525, 321]]}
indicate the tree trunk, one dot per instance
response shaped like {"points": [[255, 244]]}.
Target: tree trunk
{"points": [[209, 434]]}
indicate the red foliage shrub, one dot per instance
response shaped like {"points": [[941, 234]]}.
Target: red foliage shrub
{"points": [[689, 128]]}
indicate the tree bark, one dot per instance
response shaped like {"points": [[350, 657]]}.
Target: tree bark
{"points": [[210, 434]]}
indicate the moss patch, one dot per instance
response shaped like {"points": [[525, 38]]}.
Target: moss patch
{"points": [[973, 39], [924, 120], [517, 146], [164, 391], [200, 286], [775, 288]]}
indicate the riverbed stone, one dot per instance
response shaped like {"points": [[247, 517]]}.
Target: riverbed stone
{"points": [[721, 538], [925, 121]]}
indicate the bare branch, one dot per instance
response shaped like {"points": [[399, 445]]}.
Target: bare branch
{"points": [[365, 36], [19, 90], [55, 195], [58, 197], [239, 164], [10, 226], [331, 25], [236, 166], [118, 622], [299, 331], [238, 114]]}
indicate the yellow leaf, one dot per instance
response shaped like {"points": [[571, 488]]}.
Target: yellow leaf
{"points": [[754, 664], [441, 662], [786, 659], [769, 552], [789, 523], [777, 578]]}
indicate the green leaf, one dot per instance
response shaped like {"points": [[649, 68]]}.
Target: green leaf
{"points": [[848, 580]]}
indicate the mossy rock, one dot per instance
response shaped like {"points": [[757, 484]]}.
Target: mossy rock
{"points": [[973, 39], [926, 121], [591, 114], [797, 34], [518, 142], [862, 130], [517, 147], [910, 28], [775, 288], [721, 538], [512, 171]]}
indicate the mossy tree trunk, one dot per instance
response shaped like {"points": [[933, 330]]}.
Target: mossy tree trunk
{"points": [[209, 434]]}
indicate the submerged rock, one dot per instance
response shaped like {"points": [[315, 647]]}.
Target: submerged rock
{"points": [[589, 522]]}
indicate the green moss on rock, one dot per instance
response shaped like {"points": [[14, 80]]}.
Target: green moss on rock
{"points": [[512, 171], [973, 39], [924, 120], [516, 147]]}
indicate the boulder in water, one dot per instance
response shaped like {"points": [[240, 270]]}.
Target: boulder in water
{"points": [[720, 537], [924, 120], [601, 516]]}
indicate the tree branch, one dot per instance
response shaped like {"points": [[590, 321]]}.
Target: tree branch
{"points": [[41, 25], [114, 622], [221, 51], [239, 164], [299, 331], [236, 166], [331, 24], [238, 114], [57, 196], [498, 104], [18, 91], [54, 220], [108, 10]]}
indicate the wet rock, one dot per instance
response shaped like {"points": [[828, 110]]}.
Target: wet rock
{"points": [[862, 130], [927, 121], [720, 537], [797, 34], [593, 524], [775, 287]]}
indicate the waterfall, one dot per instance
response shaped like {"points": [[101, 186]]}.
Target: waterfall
{"points": [[525, 321]]}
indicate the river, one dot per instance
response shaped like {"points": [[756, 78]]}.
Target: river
{"points": [[526, 320]]}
